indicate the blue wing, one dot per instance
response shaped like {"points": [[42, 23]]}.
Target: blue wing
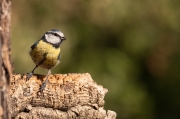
{"points": [[35, 44]]}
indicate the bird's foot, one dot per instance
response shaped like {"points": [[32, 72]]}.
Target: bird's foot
{"points": [[43, 86], [29, 75]]}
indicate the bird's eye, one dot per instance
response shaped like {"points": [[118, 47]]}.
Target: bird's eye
{"points": [[56, 34]]}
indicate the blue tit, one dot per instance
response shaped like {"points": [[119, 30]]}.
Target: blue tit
{"points": [[46, 52]]}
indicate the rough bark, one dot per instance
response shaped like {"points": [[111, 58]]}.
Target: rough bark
{"points": [[5, 60], [66, 96]]}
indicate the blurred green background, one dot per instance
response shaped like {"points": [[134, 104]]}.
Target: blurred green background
{"points": [[130, 47]]}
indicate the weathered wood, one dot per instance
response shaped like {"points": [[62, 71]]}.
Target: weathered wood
{"points": [[66, 96], [5, 57]]}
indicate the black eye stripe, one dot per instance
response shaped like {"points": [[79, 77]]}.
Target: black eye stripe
{"points": [[55, 34]]}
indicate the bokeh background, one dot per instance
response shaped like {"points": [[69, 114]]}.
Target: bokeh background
{"points": [[131, 47]]}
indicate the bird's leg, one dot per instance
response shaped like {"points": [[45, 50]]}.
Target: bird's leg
{"points": [[44, 84], [32, 72]]}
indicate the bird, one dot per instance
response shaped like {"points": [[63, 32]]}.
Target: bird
{"points": [[45, 52]]}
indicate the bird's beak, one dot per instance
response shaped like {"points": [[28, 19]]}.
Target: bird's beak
{"points": [[63, 38]]}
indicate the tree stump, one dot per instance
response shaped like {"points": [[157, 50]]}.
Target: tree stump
{"points": [[66, 96]]}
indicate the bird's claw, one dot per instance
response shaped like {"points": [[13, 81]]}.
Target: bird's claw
{"points": [[29, 75], [43, 87]]}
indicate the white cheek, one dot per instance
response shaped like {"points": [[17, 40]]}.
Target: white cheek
{"points": [[52, 39]]}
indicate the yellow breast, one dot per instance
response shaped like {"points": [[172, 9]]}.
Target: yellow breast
{"points": [[45, 55]]}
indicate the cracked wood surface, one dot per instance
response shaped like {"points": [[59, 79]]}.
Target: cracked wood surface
{"points": [[66, 96]]}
